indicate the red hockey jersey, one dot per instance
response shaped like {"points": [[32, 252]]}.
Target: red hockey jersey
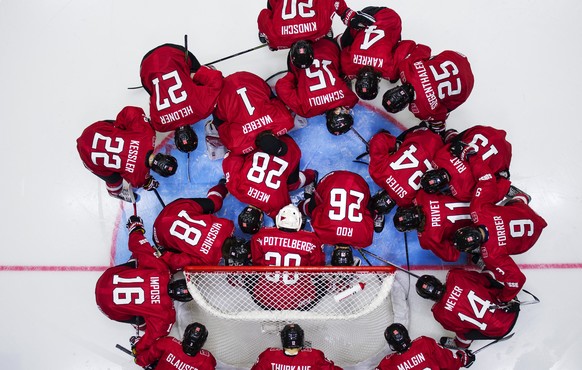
{"points": [[121, 146], [176, 98], [307, 358], [260, 179], [424, 353], [247, 107], [170, 356], [341, 213], [189, 236], [319, 88], [399, 171]]}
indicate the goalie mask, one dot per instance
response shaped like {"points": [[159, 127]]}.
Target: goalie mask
{"points": [[289, 218], [250, 220], [178, 291], [469, 239], [435, 180], [339, 120], [429, 287], [301, 54], [367, 83], [236, 252], [397, 337], [409, 218], [185, 139], [194, 338], [292, 336], [164, 165], [397, 98]]}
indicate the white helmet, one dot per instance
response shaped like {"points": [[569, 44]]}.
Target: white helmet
{"points": [[289, 218]]}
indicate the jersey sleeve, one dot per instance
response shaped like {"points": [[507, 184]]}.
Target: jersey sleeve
{"points": [[505, 270], [286, 88], [153, 353]]}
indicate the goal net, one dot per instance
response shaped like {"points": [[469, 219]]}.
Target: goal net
{"points": [[343, 310]]}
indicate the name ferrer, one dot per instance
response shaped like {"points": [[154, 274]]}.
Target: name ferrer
{"points": [[132, 156], [412, 362], [298, 28], [500, 229], [426, 86], [288, 243]]}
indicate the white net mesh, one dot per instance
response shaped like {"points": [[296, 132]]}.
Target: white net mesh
{"points": [[343, 311]]}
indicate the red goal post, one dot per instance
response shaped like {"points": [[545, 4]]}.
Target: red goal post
{"points": [[343, 310]]}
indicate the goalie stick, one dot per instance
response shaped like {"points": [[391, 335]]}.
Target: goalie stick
{"points": [[504, 338]]}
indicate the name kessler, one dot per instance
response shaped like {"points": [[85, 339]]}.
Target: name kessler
{"points": [[288, 243]]}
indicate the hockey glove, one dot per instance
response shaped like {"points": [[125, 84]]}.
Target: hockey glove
{"points": [[358, 20], [151, 184], [467, 357], [133, 342], [462, 150], [511, 306], [135, 223]]}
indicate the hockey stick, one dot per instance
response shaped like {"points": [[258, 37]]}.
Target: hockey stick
{"points": [[369, 263], [388, 263], [504, 338], [186, 48], [359, 157], [159, 197], [123, 349], [236, 54], [275, 75], [521, 303], [188, 166]]}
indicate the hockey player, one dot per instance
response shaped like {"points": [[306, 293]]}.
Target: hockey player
{"points": [[454, 174], [287, 245], [499, 231], [284, 23], [293, 355], [246, 107], [314, 89], [373, 52], [423, 352], [436, 217], [432, 86], [470, 304], [398, 163], [169, 353], [141, 292], [124, 150], [182, 92], [264, 177], [343, 212], [188, 232]]}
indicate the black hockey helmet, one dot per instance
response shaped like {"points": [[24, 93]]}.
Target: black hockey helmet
{"points": [[469, 238], [185, 139], [178, 291], [292, 336], [397, 98], [236, 252], [429, 287], [164, 165], [194, 338], [270, 143], [367, 81], [381, 203], [342, 255], [250, 220], [301, 54], [397, 337], [435, 180], [339, 120], [409, 218]]}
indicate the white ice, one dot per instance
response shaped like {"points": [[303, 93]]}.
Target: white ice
{"points": [[66, 64]]}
